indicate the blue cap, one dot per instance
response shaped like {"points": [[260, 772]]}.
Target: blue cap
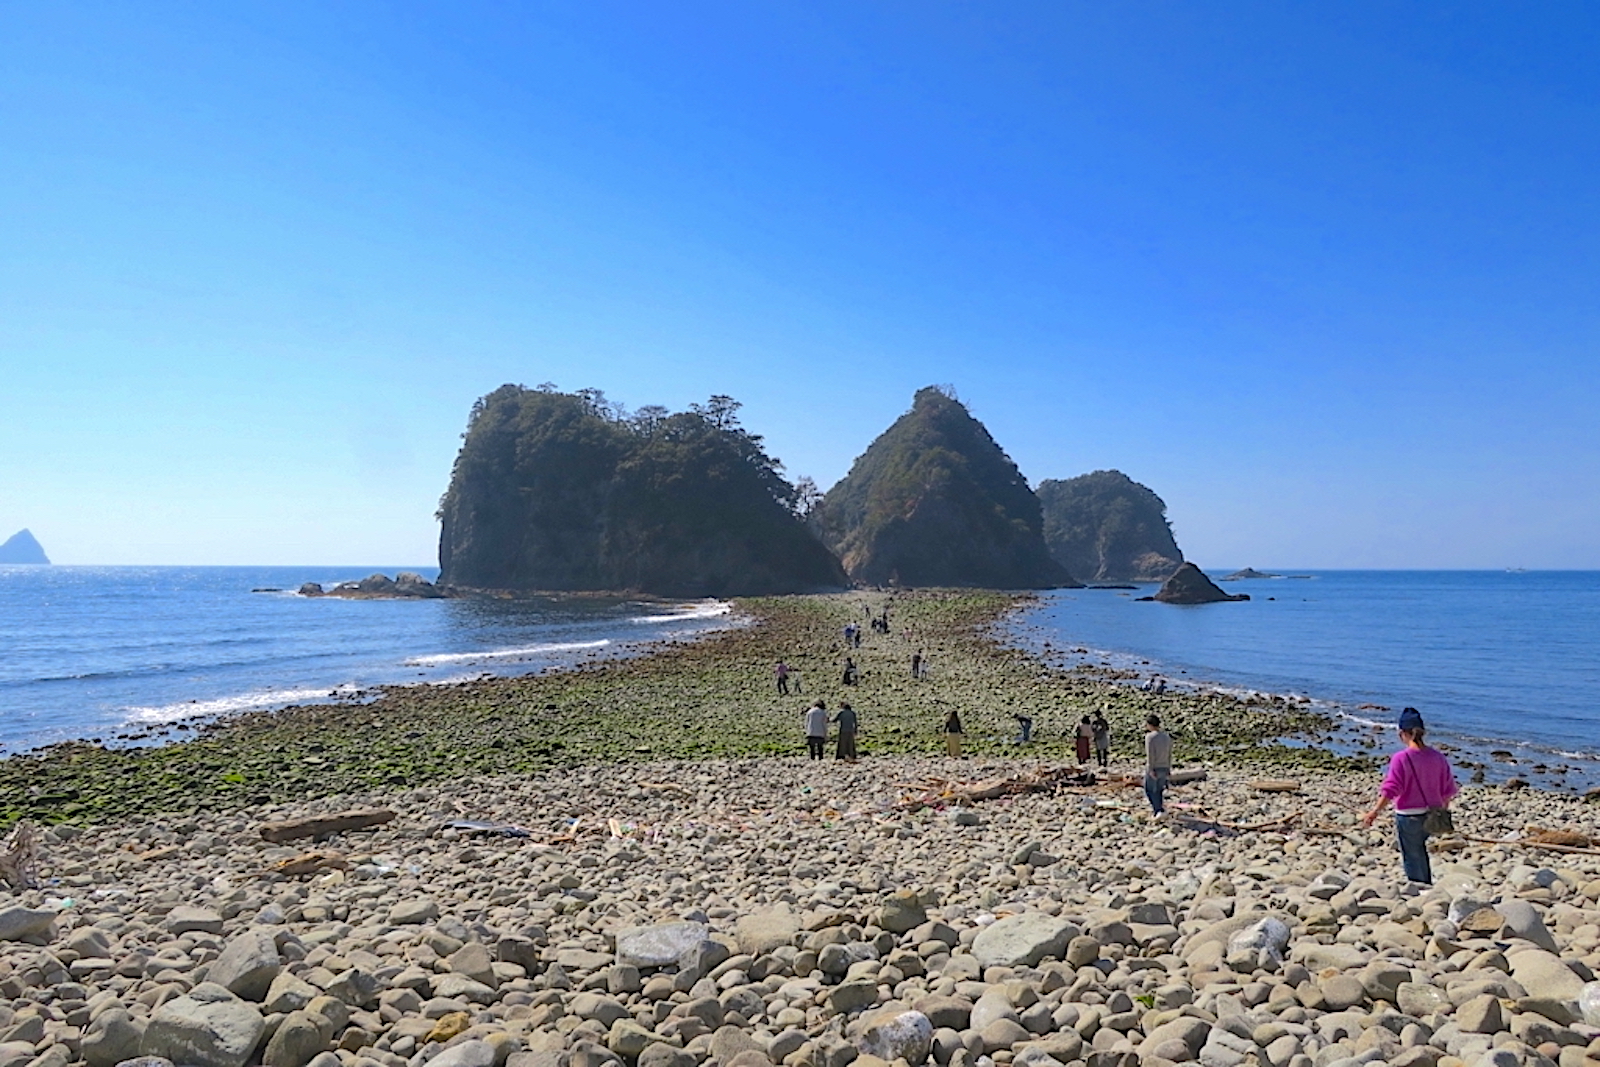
{"points": [[1410, 719]]}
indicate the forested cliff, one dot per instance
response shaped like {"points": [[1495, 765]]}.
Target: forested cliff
{"points": [[565, 491], [935, 501], [1106, 527]]}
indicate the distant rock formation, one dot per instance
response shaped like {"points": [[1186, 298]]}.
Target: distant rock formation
{"points": [[1246, 574], [23, 547], [405, 585], [1106, 527], [1189, 585], [934, 501], [558, 491]]}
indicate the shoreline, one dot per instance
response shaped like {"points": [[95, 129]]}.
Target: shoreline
{"points": [[1360, 730], [709, 696]]}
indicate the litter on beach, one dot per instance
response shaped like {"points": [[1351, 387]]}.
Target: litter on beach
{"points": [[488, 829]]}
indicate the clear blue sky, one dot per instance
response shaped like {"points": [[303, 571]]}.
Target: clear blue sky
{"points": [[1324, 276]]}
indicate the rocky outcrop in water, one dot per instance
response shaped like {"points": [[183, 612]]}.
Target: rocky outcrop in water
{"points": [[558, 491], [1189, 585], [405, 585], [1246, 574], [934, 501], [23, 547], [1106, 527]]}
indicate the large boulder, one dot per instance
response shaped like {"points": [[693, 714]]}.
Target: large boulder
{"points": [[247, 966], [26, 924], [1189, 585], [660, 945], [1023, 940], [762, 931], [897, 1035], [296, 1042], [113, 1037], [206, 1027], [1545, 975]]}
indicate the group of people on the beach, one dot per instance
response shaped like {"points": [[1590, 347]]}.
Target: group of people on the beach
{"points": [[1419, 783], [816, 723]]}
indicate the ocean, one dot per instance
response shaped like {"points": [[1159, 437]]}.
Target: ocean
{"points": [[1497, 661], [140, 654]]}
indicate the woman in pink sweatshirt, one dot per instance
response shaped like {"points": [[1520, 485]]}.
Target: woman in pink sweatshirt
{"points": [[1419, 778]]}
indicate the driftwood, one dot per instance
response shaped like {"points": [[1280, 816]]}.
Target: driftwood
{"points": [[309, 863], [1194, 774], [1274, 785], [19, 861], [1540, 836], [323, 825], [1534, 843]]}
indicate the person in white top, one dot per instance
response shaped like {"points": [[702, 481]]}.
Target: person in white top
{"points": [[817, 730]]}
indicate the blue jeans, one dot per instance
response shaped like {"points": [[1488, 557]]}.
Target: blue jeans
{"points": [[1155, 789], [1413, 835]]}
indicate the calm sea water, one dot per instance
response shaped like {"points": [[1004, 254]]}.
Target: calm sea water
{"points": [[1494, 660], [111, 651]]}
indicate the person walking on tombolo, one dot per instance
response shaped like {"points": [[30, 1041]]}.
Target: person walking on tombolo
{"points": [[816, 730], [1157, 763], [1102, 739], [1419, 779], [952, 734], [847, 723], [1082, 738], [782, 671]]}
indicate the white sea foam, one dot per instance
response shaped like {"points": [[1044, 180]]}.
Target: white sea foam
{"points": [[710, 609], [503, 654], [265, 698]]}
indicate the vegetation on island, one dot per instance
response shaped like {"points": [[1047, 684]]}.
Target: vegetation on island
{"points": [[568, 491], [1106, 527], [710, 698], [934, 501]]}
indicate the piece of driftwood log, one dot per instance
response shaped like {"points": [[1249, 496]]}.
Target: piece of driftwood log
{"points": [[1274, 785], [1526, 843], [19, 861], [323, 825], [309, 863], [1193, 774]]}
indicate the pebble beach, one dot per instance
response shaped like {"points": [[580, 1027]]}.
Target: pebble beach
{"points": [[627, 900]]}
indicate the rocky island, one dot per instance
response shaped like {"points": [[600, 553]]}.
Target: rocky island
{"points": [[1190, 585], [1106, 527], [566, 492], [934, 501], [22, 547]]}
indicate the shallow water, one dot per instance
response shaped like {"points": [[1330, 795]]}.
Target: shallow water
{"points": [[1494, 660], [116, 651]]}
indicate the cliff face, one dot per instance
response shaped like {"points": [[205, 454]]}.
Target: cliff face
{"points": [[1106, 527], [22, 547], [557, 491], [935, 501]]}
